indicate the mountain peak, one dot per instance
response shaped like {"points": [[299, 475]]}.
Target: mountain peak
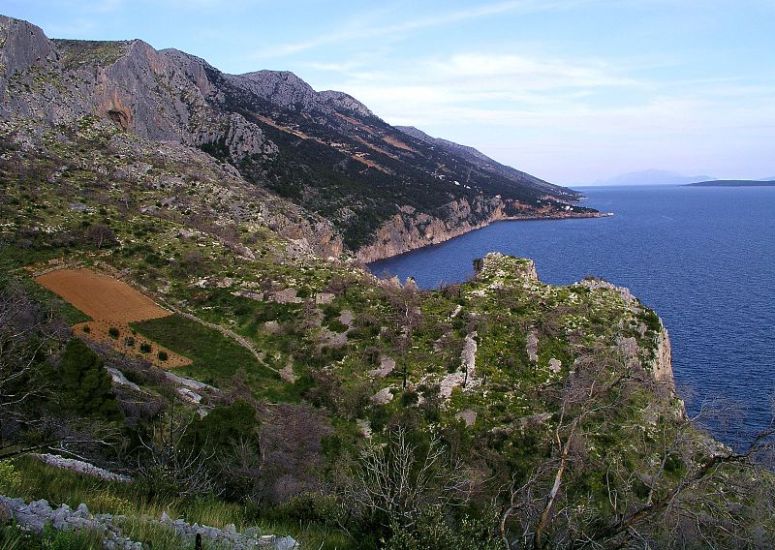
{"points": [[342, 101], [283, 88]]}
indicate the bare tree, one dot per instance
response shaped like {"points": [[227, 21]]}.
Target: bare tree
{"points": [[398, 479], [665, 484], [172, 466], [27, 331], [100, 235]]}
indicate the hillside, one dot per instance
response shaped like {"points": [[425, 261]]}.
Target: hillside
{"points": [[322, 150], [185, 352]]}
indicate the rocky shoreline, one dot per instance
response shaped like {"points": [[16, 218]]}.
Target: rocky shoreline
{"points": [[394, 239]]}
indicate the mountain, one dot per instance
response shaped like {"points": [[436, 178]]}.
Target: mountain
{"points": [[189, 357], [384, 190], [484, 162], [733, 183], [650, 177]]}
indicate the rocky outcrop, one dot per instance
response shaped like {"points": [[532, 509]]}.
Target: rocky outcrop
{"points": [[282, 88], [411, 229], [663, 360], [38, 514], [340, 101], [159, 95], [81, 467]]}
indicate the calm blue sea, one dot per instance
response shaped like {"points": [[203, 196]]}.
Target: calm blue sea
{"points": [[703, 258]]}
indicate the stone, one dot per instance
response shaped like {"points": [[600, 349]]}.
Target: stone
{"points": [[346, 318], [468, 416], [555, 365], [323, 298], [386, 366], [189, 395], [286, 296], [532, 346], [383, 396], [118, 378], [287, 374]]}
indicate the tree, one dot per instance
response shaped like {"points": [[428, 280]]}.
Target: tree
{"points": [[86, 385], [405, 302], [100, 235], [21, 342], [399, 479], [613, 478], [169, 465]]}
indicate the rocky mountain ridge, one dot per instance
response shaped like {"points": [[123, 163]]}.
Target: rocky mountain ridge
{"points": [[324, 151]]}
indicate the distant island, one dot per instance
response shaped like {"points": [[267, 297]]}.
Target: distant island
{"points": [[649, 177], [733, 183]]}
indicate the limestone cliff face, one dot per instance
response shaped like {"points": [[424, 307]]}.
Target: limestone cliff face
{"points": [[410, 229], [159, 95], [663, 362]]}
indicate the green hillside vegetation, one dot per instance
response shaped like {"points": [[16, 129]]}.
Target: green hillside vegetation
{"points": [[499, 411]]}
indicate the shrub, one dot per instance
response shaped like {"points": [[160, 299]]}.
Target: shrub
{"points": [[145, 347], [101, 236], [130, 342], [85, 384], [337, 326], [113, 332], [87, 329], [163, 356], [10, 479]]}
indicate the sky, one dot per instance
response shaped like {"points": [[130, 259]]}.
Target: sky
{"points": [[573, 91]]}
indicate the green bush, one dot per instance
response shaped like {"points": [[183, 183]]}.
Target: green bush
{"points": [[145, 347], [433, 528], [337, 326], [85, 384], [113, 332], [163, 356], [9, 477]]}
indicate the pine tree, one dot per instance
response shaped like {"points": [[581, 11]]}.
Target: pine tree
{"points": [[85, 383]]}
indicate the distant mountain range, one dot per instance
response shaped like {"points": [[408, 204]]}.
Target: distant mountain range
{"points": [[650, 177], [734, 183]]}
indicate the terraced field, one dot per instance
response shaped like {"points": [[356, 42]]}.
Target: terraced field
{"points": [[101, 297], [112, 306]]}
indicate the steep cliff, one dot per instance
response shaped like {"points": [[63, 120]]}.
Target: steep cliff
{"points": [[324, 151], [409, 229]]}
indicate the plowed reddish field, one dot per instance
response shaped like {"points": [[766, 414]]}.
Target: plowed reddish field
{"points": [[101, 297], [112, 304]]}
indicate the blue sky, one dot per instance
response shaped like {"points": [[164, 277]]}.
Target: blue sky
{"points": [[570, 90]]}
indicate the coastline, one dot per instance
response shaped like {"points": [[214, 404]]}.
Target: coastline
{"points": [[372, 253]]}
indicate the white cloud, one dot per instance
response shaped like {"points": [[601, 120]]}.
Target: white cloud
{"points": [[566, 119], [355, 30]]}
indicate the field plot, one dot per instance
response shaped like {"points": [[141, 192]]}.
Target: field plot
{"points": [[112, 305], [101, 297]]}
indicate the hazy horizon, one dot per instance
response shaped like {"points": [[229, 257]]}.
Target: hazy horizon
{"points": [[568, 90]]}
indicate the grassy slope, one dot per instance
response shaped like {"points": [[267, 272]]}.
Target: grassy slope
{"points": [[503, 305], [34, 480]]}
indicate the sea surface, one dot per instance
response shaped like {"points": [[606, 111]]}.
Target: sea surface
{"points": [[703, 258]]}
